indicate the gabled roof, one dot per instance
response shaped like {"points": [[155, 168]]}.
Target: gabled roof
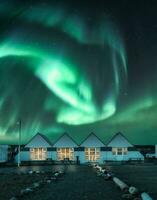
{"points": [[40, 135], [119, 134], [95, 139], [65, 137]]}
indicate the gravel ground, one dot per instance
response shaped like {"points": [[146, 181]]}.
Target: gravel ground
{"points": [[78, 183], [144, 177]]}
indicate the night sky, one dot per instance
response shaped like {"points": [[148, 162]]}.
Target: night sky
{"points": [[78, 67]]}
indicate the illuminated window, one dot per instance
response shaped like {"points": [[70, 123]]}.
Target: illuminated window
{"points": [[38, 153], [92, 154], [65, 153], [119, 151]]}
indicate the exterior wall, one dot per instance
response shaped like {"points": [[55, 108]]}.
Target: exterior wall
{"points": [[25, 155], [131, 155], [3, 153], [79, 151], [38, 141], [82, 158], [65, 141], [54, 155], [92, 141], [119, 141], [81, 155]]}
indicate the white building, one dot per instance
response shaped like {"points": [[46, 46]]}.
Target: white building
{"points": [[3, 153], [65, 148], [92, 149], [38, 148], [119, 149]]}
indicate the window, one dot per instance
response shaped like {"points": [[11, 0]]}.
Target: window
{"points": [[65, 153], [119, 151], [92, 154], [38, 153]]}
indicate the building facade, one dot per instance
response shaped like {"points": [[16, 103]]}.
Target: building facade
{"points": [[92, 149], [3, 153], [120, 149], [38, 148]]}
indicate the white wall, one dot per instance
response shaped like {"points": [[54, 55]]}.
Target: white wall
{"points": [[131, 155], [65, 141], [92, 141], [38, 141], [82, 159], [3, 153], [25, 155], [119, 141]]}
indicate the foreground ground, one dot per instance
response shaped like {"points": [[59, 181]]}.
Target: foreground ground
{"points": [[143, 177], [79, 182]]}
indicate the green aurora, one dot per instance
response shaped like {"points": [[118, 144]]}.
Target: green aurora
{"points": [[50, 81]]}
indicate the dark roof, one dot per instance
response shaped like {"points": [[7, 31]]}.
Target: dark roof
{"points": [[43, 136], [119, 133], [65, 133], [89, 136]]}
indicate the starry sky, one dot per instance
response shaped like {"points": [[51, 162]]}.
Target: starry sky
{"points": [[78, 67]]}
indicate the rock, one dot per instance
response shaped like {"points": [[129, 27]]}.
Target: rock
{"points": [[37, 172], [13, 198], [30, 172], [107, 176], [26, 191], [53, 178], [104, 171], [123, 186], [145, 196], [133, 190], [36, 185], [61, 172], [95, 165], [127, 196], [56, 174], [48, 181]]}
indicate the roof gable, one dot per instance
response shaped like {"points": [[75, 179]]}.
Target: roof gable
{"points": [[92, 141], [119, 140], [65, 141], [38, 140]]}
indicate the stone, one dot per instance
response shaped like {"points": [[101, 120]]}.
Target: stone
{"points": [[48, 181], [13, 198], [36, 185], [133, 190], [26, 191], [127, 196]]}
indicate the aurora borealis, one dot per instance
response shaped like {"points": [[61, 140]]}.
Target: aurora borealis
{"points": [[71, 67]]}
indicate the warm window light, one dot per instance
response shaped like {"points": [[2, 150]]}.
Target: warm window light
{"points": [[119, 151], [65, 153], [92, 154], [38, 153]]}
